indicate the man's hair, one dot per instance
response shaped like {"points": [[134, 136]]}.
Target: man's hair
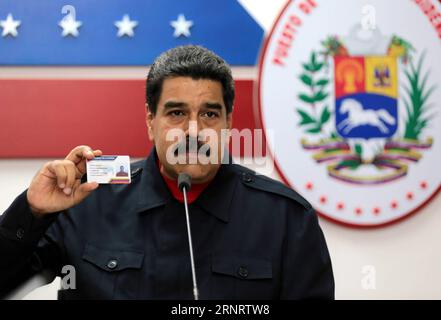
{"points": [[189, 61]]}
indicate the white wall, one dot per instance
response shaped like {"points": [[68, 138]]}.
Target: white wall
{"points": [[405, 255]]}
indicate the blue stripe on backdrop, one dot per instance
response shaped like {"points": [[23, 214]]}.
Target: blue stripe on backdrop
{"points": [[223, 26]]}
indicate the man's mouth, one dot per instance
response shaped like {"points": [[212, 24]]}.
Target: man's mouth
{"points": [[191, 148]]}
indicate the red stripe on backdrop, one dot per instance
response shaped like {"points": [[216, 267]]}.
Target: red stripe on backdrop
{"points": [[47, 118]]}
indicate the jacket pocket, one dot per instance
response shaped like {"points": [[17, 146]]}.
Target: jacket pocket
{"points": [[110, 273], [113, 260], [241, 278]]}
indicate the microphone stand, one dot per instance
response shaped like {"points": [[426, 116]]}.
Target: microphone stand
{"points": [[183, 184]]}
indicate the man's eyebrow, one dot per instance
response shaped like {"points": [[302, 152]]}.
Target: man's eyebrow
{"points": [[213, 105], [174, 104]]}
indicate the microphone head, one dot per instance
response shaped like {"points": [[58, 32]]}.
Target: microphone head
{"points": [[184, 181]]}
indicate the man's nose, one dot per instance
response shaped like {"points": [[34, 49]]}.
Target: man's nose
{"points": [[192, 128]]}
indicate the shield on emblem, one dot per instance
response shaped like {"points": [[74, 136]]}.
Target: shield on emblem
{"points": [[366, 93]]}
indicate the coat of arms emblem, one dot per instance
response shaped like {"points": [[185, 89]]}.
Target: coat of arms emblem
{"points": [[365, 110], [364, 103]]}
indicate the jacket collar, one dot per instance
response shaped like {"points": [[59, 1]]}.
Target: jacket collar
{"points": [[215, 199], [152, 190]]}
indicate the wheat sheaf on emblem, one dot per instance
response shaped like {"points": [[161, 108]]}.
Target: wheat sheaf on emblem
{"points": [[357, 131]]}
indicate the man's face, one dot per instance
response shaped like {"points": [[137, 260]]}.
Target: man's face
{"points": [[186, 104]]}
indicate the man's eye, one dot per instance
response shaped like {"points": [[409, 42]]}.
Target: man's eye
{"points": [[176, 113], [211, 114]]}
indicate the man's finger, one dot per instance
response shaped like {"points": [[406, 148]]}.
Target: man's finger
{"points": [[97, 153], [84, 190], [71, 176], [81, 166], [60, 173], [79, 153]]}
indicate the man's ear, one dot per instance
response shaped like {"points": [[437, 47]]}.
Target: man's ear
{"points": [[150, 122]]}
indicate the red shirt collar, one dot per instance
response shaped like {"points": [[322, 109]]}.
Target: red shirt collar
{"points": [[192, 195]]}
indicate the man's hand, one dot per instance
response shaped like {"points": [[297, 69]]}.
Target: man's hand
{"points": [[57, 186]]}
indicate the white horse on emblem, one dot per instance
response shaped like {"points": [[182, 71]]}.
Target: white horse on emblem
{"points": [[358, 117]]}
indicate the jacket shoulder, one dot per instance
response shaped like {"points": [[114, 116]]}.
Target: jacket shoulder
{"points": [[256, 181]]}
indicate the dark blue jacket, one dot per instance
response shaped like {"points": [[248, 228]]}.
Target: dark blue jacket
{"points": [[253, 238]]}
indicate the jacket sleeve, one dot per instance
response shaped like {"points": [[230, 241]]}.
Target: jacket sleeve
{"points": [[25, 248], [307, 269]]}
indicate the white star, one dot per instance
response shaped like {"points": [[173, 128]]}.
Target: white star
{"points": [[70, 26], [9, 26], [182, 26], [125, 26]]}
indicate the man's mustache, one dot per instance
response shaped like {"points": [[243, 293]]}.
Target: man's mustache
{"points": [[192, 144]]}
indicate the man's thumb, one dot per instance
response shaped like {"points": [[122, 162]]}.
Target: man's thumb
{"points": [[84, 190]]}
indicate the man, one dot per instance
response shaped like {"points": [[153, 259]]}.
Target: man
{"points": [[253, 237], [121, 172]]}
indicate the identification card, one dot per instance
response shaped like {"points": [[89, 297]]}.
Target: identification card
{"points": [[109, 170]]}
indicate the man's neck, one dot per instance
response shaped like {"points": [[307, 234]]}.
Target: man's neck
{"points": [[192, 195]]}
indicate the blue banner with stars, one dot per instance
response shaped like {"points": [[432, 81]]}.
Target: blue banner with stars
{"points": [[131, 32]]}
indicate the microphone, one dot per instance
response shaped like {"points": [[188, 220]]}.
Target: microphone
{"points": [[184, 181], [184, 185]]}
